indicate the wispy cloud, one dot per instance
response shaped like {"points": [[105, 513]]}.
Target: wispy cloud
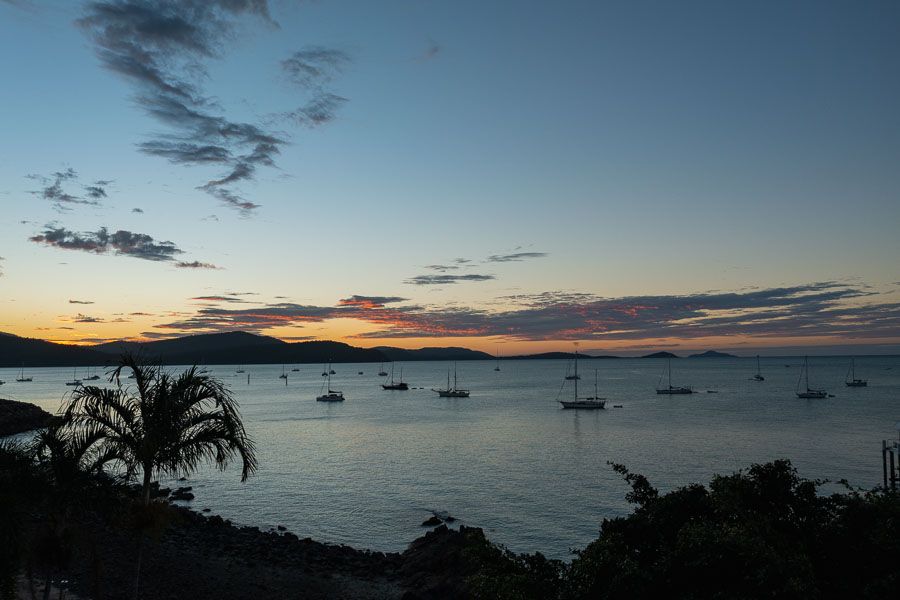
{"points": [[516, 257], [196, 264], [57, 185], [447, 279], [121, 242], [80, 301], [163, 49], [812, 310]]}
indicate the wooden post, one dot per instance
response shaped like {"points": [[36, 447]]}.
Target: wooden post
{"points": [[893, 477], [884, 461]]}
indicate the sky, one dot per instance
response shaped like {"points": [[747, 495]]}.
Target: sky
{"points": [[510, 176]]}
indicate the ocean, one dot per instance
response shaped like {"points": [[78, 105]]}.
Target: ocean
{"points": [[368, 471]]}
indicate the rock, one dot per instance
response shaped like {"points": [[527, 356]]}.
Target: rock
{"points": [[19, 417], [281, 528], [449, 519], [432, 521], [206, 510]]}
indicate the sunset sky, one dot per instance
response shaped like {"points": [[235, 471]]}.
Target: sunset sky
{"points": [[514, 175]]}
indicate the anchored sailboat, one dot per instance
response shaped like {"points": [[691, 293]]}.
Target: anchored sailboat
{"points": [[399, 385], [758, 376], [673, 389], [75, 381], [452, 392], [594, 402], [330, 395], [851, 381], [21, 378], [809, 393], [497, 368], [381, 371], [283, 374]]}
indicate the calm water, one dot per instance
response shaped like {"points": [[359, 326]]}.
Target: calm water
{"points": [[368, 471]]}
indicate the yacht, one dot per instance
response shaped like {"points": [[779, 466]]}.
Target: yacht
{"points": [[673, 389], [590, 402], [329, 394], [851, 381], [809, 393], [21, 378], [399, 385], [452, 392], [759, 375]]}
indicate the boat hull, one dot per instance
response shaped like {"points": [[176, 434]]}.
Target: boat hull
{"points": [[857, 383], [584, 404], [395, 386], [675, 391], [330, 398], [452, 393], [812, 394]]}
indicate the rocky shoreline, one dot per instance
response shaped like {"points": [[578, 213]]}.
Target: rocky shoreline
{"points": [[19, 417], [197, 556]]}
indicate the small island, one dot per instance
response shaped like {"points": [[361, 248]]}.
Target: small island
{"points": [[660, 355], [712, 354]]}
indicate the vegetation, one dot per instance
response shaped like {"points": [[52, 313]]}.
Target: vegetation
{"points": [[162, 424], [764, 533]]}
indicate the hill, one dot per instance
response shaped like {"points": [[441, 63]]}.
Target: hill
{"points": [[660, 355], [16, 351], [452, 353], [712, 354]]}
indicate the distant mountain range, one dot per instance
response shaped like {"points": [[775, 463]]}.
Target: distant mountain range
{"points": [[231, 348]]}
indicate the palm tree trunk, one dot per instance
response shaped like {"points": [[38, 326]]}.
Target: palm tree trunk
{"points": [[146, 503]]}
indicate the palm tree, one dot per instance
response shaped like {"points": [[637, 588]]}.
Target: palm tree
{"points": [[74, 467], [162, 424]]}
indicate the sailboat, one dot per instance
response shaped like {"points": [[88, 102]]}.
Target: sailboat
{"points": [[575, 374], [325, 370], [452, 392], [75, 381], [330, 395], [381, 371], [851, 381], [240, 369], [295, 370], [758, 376], [809, 393], [283, 374], [592, 402], [21, 378], [672, 389], [497, 368], [92, 377], [400, 385]]}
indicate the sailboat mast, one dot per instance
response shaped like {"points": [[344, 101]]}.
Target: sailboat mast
{"points": [[670, 372], [806, 364]]}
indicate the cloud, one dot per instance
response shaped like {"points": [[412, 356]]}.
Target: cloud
{"points": [[446, 279], [431, 51], [812, 310], [163, 49], [518, 256], [54, 191], [442, 268], [314, 66], [139, 211], [80, 318], [122, 242], [226, 298], [370, 301], [80, 301], [195, 264]]}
